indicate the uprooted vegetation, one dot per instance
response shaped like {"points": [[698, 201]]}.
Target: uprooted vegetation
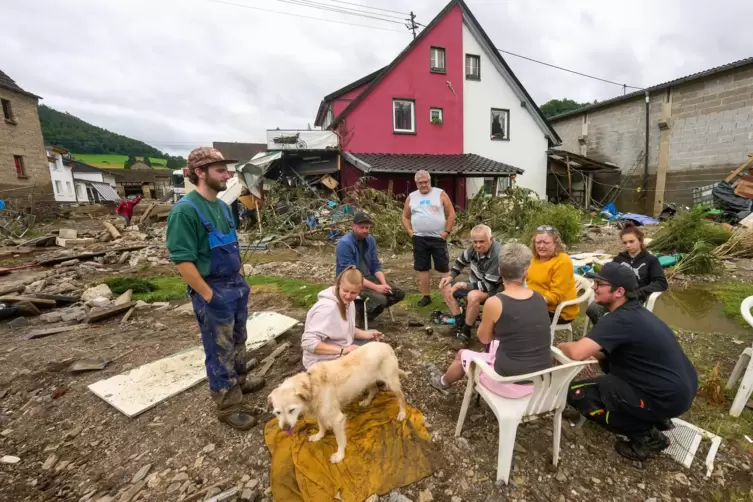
{"points": [[700, 243], [296, 215]]}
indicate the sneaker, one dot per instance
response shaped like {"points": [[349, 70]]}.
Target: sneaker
{"points": [[436, 382], [464, 334], [424, 301]]}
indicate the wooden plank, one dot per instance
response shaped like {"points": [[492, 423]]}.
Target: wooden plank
{"points": [[85, 256], [268, 361], [128, 315], [740, 169], [41, 333], [37, 301], [60, 300], [101, 315], [142, 388], [146, 213]]}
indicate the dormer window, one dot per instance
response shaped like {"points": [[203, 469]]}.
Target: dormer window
{"points": [[438, 64]]}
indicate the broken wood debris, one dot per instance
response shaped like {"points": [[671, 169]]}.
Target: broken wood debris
{"points": [[37, 301], [100, 315], [128, 315], [268, 361], [111, 229], [41, 333]]}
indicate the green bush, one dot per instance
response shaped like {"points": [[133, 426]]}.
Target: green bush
{"points": [[564, 217], [119, 285]]}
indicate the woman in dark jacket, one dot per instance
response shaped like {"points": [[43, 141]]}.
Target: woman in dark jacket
{"points": [[646, 267]]}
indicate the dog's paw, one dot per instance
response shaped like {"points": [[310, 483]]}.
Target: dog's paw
{"points": [[401, 416], [336, 458], [316, 437]]}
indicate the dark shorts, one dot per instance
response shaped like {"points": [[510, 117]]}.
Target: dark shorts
{"points": [[427, 248]]}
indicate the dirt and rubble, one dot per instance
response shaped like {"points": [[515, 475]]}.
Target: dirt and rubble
{"points": [[71, 445]]}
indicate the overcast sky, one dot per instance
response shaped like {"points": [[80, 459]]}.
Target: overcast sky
{"points": [[183, 73]]}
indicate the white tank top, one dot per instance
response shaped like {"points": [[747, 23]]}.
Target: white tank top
{"points": [[427, 213]]}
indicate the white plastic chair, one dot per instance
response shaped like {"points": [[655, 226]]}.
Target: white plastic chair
{"points": [[744, 362], [651, 301], [587, 295], [549, 394]]}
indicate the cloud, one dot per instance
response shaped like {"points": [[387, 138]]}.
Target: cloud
{"points": [[182, 73]]}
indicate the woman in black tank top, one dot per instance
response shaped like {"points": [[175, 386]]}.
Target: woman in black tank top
{"points": [[515, 325]]}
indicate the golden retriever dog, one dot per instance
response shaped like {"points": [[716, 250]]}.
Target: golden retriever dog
{"points": [[329, 386]]}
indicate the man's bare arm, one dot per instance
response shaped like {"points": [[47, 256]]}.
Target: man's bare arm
{"points": [[406, 217], [581, 350], [193, 278], [449, 211]]}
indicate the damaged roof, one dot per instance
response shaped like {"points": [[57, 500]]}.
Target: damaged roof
{"points": [[466, 164]]}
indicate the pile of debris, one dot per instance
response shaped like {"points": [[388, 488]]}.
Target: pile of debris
{"points": [[323, 274]]}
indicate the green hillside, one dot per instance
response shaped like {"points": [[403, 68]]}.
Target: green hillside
{"points": [[100, 146]]}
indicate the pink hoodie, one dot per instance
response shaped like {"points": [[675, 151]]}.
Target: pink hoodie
{"points": [[324, 324]]}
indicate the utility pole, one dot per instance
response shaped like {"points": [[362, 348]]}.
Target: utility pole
{"points": [[413, 26]]}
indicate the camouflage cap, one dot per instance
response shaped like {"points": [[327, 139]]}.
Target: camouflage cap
{"points": [[204, 156]]}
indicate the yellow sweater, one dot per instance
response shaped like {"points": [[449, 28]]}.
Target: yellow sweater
{"points": [[554, 279]]}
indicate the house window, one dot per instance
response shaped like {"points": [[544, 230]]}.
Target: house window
{"points": [[20, 170], [472, 67], [404, 115], [436, 115], [81, 192], [68, 188], [7, 111], [500, 124], [438, 60], [58, 187]]}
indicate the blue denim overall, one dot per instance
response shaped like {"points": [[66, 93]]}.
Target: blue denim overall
{"points": [[223, 320]]}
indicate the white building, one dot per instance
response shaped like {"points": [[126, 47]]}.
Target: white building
{"points": [[63, 185], [74, 181]]}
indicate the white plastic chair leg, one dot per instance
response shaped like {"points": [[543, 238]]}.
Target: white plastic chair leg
{"points": [[557, 419], [508, 429], [742, 362], [466, 404], [744, 392]]}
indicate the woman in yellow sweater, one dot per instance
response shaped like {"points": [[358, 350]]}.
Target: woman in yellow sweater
{"points": [[551, 272]]}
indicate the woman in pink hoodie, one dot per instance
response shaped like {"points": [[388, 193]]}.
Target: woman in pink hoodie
{"points": [[330, 330]]}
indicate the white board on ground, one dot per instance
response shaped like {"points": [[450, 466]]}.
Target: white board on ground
{"points": [[142, 388]]}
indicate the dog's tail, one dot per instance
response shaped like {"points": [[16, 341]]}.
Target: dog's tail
{"points": [[403, 373]]}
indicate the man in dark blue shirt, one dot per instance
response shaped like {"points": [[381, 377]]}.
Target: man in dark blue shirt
{"points": [[647, 379]]}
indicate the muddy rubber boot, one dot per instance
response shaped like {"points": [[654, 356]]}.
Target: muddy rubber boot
{"points": [[230, 409], [252, 384]]}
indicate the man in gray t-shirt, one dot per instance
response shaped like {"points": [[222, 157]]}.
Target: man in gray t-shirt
{"points": [[484, 279]]}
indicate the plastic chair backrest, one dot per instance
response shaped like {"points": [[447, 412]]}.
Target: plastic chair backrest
{"points": [[745, 310]]}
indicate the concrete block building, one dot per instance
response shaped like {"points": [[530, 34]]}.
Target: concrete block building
{"points": [[700, 127]]}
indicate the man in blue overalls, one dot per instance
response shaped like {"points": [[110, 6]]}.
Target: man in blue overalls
{"points": [[202, 242]]}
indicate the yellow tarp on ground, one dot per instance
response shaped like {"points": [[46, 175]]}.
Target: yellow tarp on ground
{"points": [[381, 455]]}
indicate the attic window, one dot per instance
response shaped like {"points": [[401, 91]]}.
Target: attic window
{"points": [[8, 111], [472, 67], [438, 60]]}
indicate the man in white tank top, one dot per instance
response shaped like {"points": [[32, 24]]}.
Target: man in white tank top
{"points": [[428, 217]]}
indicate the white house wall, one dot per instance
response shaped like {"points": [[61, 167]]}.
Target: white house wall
{"points": [[527, 145], [62, 181], [97, 177]]}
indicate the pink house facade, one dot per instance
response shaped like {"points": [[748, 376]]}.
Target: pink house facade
{"points": [[449, 104]]}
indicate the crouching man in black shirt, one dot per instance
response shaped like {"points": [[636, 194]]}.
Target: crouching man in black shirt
{"points": [[648, 378]]}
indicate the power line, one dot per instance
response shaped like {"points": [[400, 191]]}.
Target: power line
{"points": [[302, 16], [367, 7], [624, 86], [342, 10]]}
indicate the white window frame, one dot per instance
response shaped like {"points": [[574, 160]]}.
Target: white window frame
{"points": [[506, 125], [412, 104], [438, 59], [477, 60], [440, 113], [58, 186], [68, 188]]}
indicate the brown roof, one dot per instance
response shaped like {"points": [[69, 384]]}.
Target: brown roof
{"points": [[466, 164], [8, 83], [689, 78], [139, 175], [239, 151]]}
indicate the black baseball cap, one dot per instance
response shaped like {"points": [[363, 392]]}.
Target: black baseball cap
{"points": [[617, 275], [361, 217]]}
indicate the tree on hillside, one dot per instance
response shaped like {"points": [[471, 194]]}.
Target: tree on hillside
{"points": [[175, 162], [72, 133], [147, 161], [130, 162], [556, 107]]}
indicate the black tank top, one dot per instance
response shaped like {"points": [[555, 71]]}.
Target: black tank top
{"points": [[524, 336]]}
